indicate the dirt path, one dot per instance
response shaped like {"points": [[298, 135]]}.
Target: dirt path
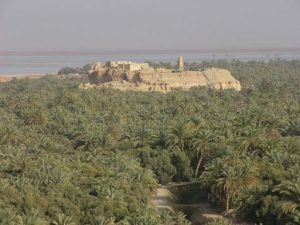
{"points": [[198, 214]]}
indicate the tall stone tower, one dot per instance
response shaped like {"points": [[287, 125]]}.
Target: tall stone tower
{"points": [[180, 64]]}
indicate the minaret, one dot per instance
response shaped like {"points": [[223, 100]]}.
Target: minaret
{"points": [[180, 64]]}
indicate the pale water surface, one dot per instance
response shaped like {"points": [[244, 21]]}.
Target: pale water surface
{"points": [[14, 65]]}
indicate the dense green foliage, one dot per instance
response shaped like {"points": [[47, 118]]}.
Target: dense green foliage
{"points": [[70, 70], [72, 156]]}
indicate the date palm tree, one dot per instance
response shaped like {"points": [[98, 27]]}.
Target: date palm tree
{"points": [[201, 146], [10, 135], [289, 204], [229, 176], [179, 135], [63, 219]]}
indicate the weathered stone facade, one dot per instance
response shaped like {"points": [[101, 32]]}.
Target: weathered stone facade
{"points": [[127, 66]]}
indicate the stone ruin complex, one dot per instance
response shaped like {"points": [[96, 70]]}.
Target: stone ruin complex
{"points": [[125, 75]]}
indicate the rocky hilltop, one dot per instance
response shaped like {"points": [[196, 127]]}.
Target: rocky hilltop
{"points": [[141, 77]]}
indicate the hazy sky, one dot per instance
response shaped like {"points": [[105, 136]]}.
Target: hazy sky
{"points": [[27, 25]]}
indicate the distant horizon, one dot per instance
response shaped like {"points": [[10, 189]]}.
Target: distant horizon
{"points": [[149, 51]]}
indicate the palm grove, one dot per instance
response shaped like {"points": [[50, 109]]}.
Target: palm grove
{"points": [[72, 156]]}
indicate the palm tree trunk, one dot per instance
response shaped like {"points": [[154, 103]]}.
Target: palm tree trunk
{"points": [[181, 146], [227, 201], [198, 165]]}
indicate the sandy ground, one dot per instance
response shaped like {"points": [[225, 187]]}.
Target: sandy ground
{"points": [[7, 78], [199, 213]]}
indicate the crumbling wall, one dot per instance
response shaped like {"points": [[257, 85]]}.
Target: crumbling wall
{"points": [[221, 79], [104, 76], [213, 78]]}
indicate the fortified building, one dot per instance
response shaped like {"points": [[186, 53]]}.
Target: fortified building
{"points": [[141, 77]]}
